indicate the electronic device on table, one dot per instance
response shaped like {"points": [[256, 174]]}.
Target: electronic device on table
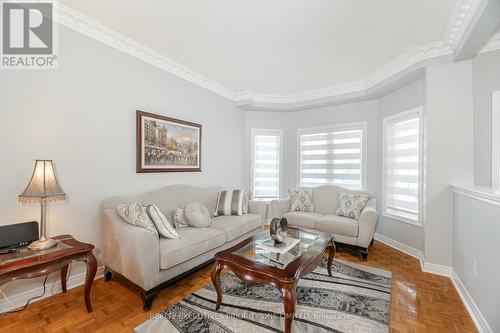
{"points": [[17, 235]]}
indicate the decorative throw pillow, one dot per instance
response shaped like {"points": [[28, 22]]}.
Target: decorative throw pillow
{"points": [[246, 200], [301, 200], [162, 224], [351, 204], [230, 203], [197, 215], [180, 220], [136, 214]]}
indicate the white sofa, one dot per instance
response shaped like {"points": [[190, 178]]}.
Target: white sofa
{"points": [[358, 233], [152, 263]]}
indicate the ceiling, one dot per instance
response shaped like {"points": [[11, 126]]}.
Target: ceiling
{"points": [[276, 46]]}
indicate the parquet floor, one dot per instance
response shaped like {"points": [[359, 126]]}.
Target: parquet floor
{"points": [[421, 302]]}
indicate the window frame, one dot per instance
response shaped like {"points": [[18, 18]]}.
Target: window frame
{"points": [[362, 125], [402, 115], [266, 131], [495, 141]]}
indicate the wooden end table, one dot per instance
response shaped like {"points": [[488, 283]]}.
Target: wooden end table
{"points": [[283, 271], [25, 263]]}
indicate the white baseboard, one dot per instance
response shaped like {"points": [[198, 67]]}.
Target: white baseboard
{"points": [[477, 317], [426, 266], [19, 300], [430, 267], [400, 246]]}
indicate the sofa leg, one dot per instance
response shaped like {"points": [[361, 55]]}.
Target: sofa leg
{"points": [[107, 274], [147, 299], [371, 243], [364, 254]]}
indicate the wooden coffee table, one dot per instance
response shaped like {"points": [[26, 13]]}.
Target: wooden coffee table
{"points": [[26, 263], [253, 265]]}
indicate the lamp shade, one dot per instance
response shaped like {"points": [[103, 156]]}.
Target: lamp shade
{"points": [[43, 184]]}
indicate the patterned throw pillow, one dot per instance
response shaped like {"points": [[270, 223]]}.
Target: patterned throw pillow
{"points": [[230, 203], [162, 224], [351, 204], [136, 214], [246, 200], [301, 200], [180, 220]]}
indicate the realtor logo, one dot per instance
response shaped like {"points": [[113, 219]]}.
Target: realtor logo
{"points": [[28, 35]]}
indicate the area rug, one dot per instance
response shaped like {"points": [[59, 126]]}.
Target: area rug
{"points": [[356, 299]]}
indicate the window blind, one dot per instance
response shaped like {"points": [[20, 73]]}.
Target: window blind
{"points": [[266, 165], [402, 166], [331, 156]]}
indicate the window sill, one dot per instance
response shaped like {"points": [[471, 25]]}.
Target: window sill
{"points": [[402, 219]]}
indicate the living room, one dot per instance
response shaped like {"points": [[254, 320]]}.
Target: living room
{"points": [[158, 147]]}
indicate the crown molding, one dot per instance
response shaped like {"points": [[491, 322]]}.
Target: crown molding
{"points": [[462, 15], [493, 44], [91, 28], [399, 70], [406, 64]]}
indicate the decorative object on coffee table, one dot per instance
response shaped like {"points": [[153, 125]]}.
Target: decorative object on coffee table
{"points": [[166, 144], [26, 263], [277, 229], [43, 187], [253, 265]]}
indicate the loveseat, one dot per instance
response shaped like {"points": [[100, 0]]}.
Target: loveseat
{"points": [[153, 262], [358, 233]]}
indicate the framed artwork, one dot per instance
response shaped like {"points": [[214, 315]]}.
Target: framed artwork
{"points": [[166, 144]]}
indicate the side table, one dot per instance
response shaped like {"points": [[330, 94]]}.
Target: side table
{"points": [[25, 263]]}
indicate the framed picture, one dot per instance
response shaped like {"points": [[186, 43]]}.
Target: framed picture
{"points": [[166, 144]]}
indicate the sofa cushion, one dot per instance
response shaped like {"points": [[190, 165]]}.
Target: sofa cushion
{"points": [[338, 225], [302, 219], [351, 204], [235, 226], [197, 215], [301, 200], [326, 198], [192, 242]]}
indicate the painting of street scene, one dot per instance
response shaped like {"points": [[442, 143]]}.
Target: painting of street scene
{"points": [[169, 144]]}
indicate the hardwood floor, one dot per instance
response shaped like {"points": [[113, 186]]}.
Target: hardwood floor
{"points": [[421, 302]]}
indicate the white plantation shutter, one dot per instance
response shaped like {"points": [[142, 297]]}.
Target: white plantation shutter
{"points": [[332, 156], [266, 164], [402, 171]]}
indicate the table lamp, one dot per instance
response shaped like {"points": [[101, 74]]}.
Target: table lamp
{"points": [[42, 188]]}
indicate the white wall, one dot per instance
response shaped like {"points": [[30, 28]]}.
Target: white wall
{"points": [[82, 116], [486, 80], [400, 100], [448, 152], [475, 237]]}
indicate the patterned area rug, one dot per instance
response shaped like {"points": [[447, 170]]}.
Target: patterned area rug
{"points": [[356, 299]]}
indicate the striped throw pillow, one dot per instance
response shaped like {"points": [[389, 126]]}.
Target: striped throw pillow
{"points": [[230, 203]]}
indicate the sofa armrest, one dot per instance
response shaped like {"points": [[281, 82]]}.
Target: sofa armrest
{"points": [[367, 222], [258, 207], [130, 251], [280, 207]]}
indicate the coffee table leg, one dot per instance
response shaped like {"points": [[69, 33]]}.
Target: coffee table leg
{"points": [[89, 278], [64, 275], [216, 282], [290, 301], [331, 255]]}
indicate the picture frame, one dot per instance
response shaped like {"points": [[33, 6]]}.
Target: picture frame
{"points": [[165, 144]]}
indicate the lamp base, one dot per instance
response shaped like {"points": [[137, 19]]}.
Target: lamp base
{"points": [[42, 244]]}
